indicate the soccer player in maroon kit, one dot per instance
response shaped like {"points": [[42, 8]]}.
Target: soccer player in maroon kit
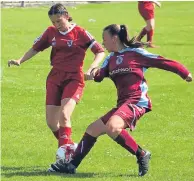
{"points": [[146, 10], [125, 66], [65, 82]]}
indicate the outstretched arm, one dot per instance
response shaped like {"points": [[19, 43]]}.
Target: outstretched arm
{"points": [[166, 64], [40, 44], [28, 55]]}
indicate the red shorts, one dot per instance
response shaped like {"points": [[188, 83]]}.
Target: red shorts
{"points": [[130, 113], [146, 10], [60, 85]]}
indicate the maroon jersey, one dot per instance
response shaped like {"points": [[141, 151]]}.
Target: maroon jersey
{"points": [[126, 69], [68, 48]]}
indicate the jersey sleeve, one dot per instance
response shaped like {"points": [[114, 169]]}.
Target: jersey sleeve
{"points": [[156, 61], [103, 71], [92, 43], [42, 42]]}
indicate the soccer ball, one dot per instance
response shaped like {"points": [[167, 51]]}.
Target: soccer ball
{"points": [[65, 152]]}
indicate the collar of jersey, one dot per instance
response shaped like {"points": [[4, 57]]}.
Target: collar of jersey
{"points": [[123, 50], [65, 32]]}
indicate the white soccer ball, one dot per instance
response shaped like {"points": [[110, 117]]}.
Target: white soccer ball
{"points": [[66, 152]]}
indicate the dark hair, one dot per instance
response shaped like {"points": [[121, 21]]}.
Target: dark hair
{"points": [[121, 31], [59, 9]]}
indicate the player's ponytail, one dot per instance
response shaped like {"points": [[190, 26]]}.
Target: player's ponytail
{"points": [[122, 32], [59, 9], [124, 37]]}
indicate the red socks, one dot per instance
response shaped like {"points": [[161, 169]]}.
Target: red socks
{"points": [[127, 141], [144, 32], [64, 136]]}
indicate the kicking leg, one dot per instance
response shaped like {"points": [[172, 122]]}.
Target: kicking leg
{"points": [[116, 130], [93, 131]]}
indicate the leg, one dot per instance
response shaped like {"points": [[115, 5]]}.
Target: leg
{"points": [[150, 25], [96, 129], [72, 92], [116, 130], [66, 110], [52, 118], [148, 15], [127, 116], [53, 102], [93, 131], [148, 29], [141, 34]]}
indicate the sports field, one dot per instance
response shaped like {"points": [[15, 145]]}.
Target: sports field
{"points": [[28, 146]]}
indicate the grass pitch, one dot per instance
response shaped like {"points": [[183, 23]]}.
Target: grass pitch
{"points": [[28, 146]]}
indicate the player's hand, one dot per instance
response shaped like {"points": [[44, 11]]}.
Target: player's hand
{"points": [[88, 76], [94, 72], [158, 4], [13, 62], [189, 78]]}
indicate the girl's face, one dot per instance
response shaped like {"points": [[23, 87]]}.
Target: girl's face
{"points": [[109, 41], [60, 21]]}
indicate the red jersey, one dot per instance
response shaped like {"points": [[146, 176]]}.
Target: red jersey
{"points": [[68, 48], [126, 69]]}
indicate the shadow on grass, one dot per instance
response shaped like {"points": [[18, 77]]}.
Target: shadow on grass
{"points": [[40, 171]]}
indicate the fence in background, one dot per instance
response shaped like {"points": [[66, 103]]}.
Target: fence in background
{"points": [[7, 4]]}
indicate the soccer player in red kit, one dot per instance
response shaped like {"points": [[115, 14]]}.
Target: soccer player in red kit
{"points": [[146, 10], [125, 66], [65, 82]]}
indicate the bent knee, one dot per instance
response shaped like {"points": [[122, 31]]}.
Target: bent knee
{"points": [[112, 128]]}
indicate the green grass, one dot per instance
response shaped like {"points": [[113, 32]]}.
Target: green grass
{"points": [[28, 146]]}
